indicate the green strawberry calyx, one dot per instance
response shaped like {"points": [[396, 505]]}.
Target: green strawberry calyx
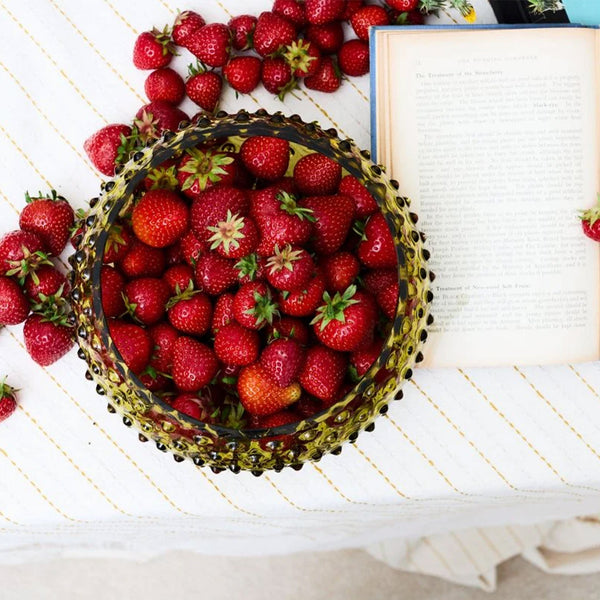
{"points": [[204, 166], [53, 309], [6, 391], [227, 233], [30, 262], [591, 215], [283, 259], [297, 56], [290, 206], [163, 178], [264, 309], [52, 195], [248, 266], [334, 308], [186, 294], [164, 39]]}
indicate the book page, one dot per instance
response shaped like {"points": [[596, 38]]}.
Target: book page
{"points": [[494, 135]]}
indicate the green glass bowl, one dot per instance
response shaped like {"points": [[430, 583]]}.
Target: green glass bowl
{"points": [[255, 450]]}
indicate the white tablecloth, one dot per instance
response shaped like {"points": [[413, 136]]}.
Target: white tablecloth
{"points": [[512, 449]]}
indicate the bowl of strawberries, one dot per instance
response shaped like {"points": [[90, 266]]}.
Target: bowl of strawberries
{"points": [[250, 292]]}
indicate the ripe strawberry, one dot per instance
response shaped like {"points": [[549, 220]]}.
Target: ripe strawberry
{"points": [[260, 396], [237, 345], [251, 268], [192, 248], [163, 337], [366, 17], [316, 174], [333, 216], [242, 73], [14, 308], [186, 23], [340, 270], [153, 49], [47, 338], [388, 300], [223, 312], [266, 157], [327, 38], [133, 343], [200, 169], [146, 299], [112, 287], [174, 254], [8, 403], [153, 380], [290, 268], [166, 85], [214, 274], [204, 87], [352, 6], [272, 32], [282, 360], [379, 279], [323, 373], [276, 76], [158, 116], [327, 79], [211, 44], [179, 278], [242, 31], [118, 243], [142, 261], [201, 408], [194, 365], [303, 57], [47, 281], [278, 419], [403, 5], [212, 206], [303, 303], [590, 221], [365, 203], [324, 11], [377, 249], [288, 327], [190, 312], [51, 218], [106, 147], [353, 58], [292, 11], [253, 305], [20, 253], [362, 359], [308, 406], [234, 237]]}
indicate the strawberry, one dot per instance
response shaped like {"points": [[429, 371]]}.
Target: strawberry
{"points": [[153, 49], [377, 249], [234, 237], [190, 312], [166, 85], [118, 243], [8, 402], [112, 287], [51, 218], [333, 216], [242, 73], [403, 5], [303, 303], [204, 87], [340, 270], [379, 279], [251, 268], [158, 116], [237, 345], [201, 408], [365, 203], [290, 268], [324, 11], [259, 395], [214, 274], [276, 76], [288, 327], [292, 11], [282, 360], [194, 365], [278, 419], [47, 338], [327, 79], [362, 359], [163, 337], [212, 206], [352, 6], [253, 305], [106, 147], [342, 322], [308, 407], [366, 17], [388, 300], [327, 38], [323, 372], [142, 261], [153, 380], [223, 312], [178, 278], [160, 218], [266, 157], [20, 253], [242, 31], [272, 32], [211, 44], [146, 299], [191, 248], [303, 57], [46, 281], [133, 343], [590, 221], [14, 308], [186, 23], [174, 254], [353, 58], [200, 169], [316, 174]]}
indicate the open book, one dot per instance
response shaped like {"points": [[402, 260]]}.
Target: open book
{"points": [[495, 135]]}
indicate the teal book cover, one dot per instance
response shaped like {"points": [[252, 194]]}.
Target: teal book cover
{"points": [[586, 12]]}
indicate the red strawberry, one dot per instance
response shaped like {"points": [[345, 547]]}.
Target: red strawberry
{"points": [[223, 312], [266, 157], [292, 11], [327, 38], [316, 174], [352, 6], [204, 88], [46, 340], [340, 270], [260, 396], [14, 308], [253, 305], [289, 327], [282, 360], [133, 343], [242, 31], [242, 73], [191, 248], [388, 300], [362, 359], [365, 203], [211, 44], [403, 5], [107, 147], [234, 237], [353, 58], [303, 57], [185, 24], [47, 281], [324, 11], [366, 17], [290, 268], [590, 221], [200, 408], [307, 406], [190, 312], [201, 169], [153, 49], [8, 403], [194, 365], [212, 206], [146, 299], [51, 218], [333, 216], [153, 380], [303, 303], [377, 249], [215, 274], [323, 373], [118, 243], [166, 85], [237, 345], [179, 278], [251, 268], [379, 279], [158, 116], [142, 261], [160, 218], [163, 337], [276, 76], [278, 419], [20, 253], [112, 286], [272, 33], [327, 79]]}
